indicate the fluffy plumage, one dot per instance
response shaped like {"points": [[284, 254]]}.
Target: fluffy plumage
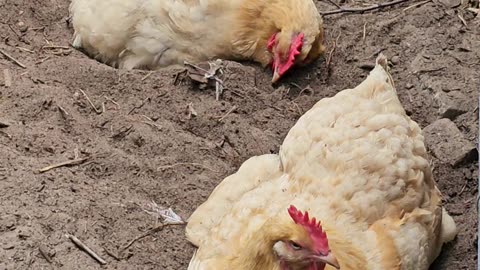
{"points": [[357, 163], [158, 33]]}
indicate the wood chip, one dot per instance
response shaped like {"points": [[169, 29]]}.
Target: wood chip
{"points": [[44, 252]]}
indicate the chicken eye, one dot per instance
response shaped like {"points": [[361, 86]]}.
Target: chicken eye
{"points": [[295, 246]]}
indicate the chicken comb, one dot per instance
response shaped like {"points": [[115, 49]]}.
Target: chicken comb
{"points": [[314, 229], [295, 47]]}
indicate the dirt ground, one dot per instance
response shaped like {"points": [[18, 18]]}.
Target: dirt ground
{"points": [[147, 146]]}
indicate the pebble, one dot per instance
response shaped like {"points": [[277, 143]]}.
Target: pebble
{"points": [[395, 60], [24, 233], [22, 27]]}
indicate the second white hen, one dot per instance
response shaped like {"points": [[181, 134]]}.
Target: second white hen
{"points": [[355, 162]]}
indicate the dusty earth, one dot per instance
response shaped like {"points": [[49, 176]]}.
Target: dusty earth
{"points": [[148, 146]]}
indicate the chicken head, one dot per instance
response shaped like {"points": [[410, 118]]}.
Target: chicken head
{"points": [[289, 48], [307, 246]]}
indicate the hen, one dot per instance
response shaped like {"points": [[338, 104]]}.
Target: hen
{"points": [[357, 165], [158, 33]]}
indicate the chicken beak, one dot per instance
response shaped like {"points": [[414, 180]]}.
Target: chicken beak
{"points": [[328, 259], [276, 75]]}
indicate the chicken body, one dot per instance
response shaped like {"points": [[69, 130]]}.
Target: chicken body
{"points": [[358, 164], [158, 33]]}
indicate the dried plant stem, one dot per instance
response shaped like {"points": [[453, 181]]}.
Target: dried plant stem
{"points": [[11, 58], [360, 10], [65, 163], [85, 248]]}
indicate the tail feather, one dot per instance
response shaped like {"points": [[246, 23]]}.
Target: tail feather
{"points": [[195, 263], [449, 228]]}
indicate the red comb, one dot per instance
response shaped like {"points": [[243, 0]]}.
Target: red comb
{"points": [[314, 229], [295, 47]]}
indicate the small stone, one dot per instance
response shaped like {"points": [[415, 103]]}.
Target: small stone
{"points": [[409, 86], [366, 65], [451, 104], [447, 143], [8, 223], [24, 233], [395, 60], [451, 3], [22, 27]]}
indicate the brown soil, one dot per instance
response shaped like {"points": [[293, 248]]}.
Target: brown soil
{"points": [[179, 159]]}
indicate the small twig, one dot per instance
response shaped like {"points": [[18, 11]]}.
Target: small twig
{"points": [[149, 232], [429, 70], [38, 28], [462, 19], [111, 254], [360, 10], [139, 106], [463, 188], [184, 163], [330, 55], [7, 76], [112, 101], [305, 89], [62, 111], [55, 47], [85, 248], [375, 54], [146, 76], [364, 32], [150, 122], [43, 60], [15, 32], [300, 112], [11, 58], [25, 49], [416, 5], [65, 163], [122, 132], [177, 75], [91, 103], [229, 112]]}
